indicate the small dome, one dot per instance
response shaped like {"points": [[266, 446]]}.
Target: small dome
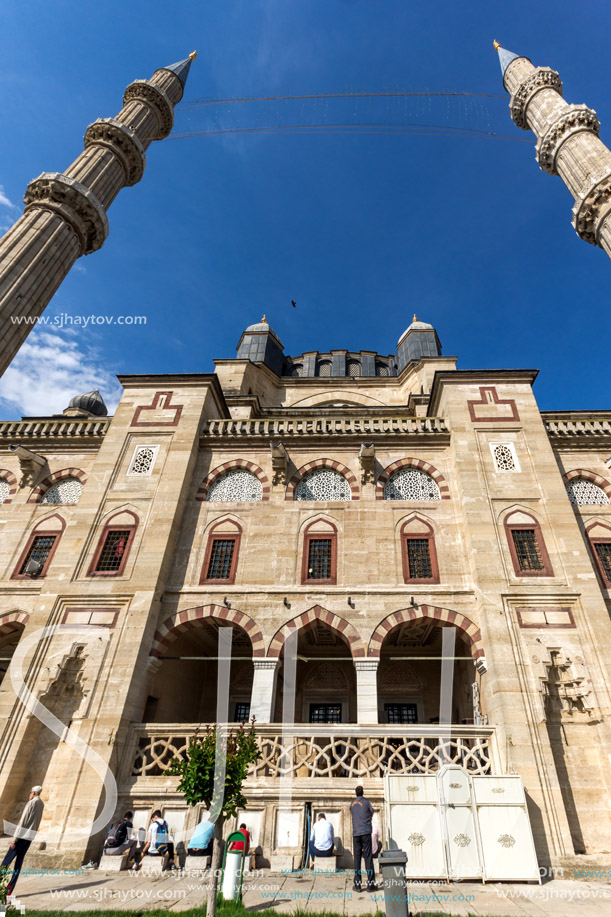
{"points": [[263, 325], [416, 326], [91, 402]]}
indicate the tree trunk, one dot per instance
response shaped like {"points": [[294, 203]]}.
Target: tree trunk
{"points": [[217, 858]]}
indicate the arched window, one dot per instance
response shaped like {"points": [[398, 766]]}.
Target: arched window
{"points": [[40, 548], [599, 538], [297, 370], [353, 367], [323, 368], [236, 486], [221, 557], [5, 489], [526, 545], [114, 545], [418, 552], [382, 369], [319, 564], [411, 484], [323, 484], [582, 492], [68, 490]]}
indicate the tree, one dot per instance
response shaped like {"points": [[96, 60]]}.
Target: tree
{"points": [[200, 777]]}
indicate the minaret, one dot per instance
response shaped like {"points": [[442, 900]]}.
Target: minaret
{"points": [[567, 142], [65, 212]]}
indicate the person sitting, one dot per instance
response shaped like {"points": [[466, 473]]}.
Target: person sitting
{"points": [[321, 839], [202, 841], [239, 845], [159, 843], [376, 843], [119, 840]]}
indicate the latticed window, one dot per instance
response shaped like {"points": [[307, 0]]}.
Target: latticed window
{"points": [[411, 484], [143, 460], [325, 713], [582, 492], [5, 489], [68, 490], [353, 367], [528, 552], [113, 550], [382, 369], [504, 457], [320, 560], [603, 552], [297, 370], [221, 558], [401, 714], [419, 558], [242, 712], [323, 368], [39, 551], [323, 484], [237, 485]]}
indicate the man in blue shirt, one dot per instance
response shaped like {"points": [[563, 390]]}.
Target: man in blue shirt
{"points": [[321, 840], [200, 844]]}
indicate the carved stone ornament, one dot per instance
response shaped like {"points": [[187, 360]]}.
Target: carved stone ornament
{"points": [[31, 465], [462, 840], [416, 840], [157, 100], [455, 786], [123, 142], [542, 78], [577, 118], [592, 207], [565, 687], [506, 840], [280, 458], [74, 202], [367, 460]]}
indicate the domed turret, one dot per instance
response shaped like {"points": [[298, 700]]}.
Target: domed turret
{"points": [[90, 404], [261, 344], [417, 341]]}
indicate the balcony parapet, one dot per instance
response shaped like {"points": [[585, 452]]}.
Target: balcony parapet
{"points": [[346, 751], [300, 427], [567, 425], [56, 429]]}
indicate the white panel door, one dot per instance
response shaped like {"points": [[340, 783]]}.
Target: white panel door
{"points": [[416, 829], [508, 849], [463, 852]]}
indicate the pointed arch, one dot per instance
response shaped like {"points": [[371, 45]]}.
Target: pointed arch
{"points": [[40, 490], [409, 462], [11, 480], [186, 620], [12, 621], [586, 475], [41, 544], [334, 621], [322, 463], [470, 631], [232, 465]]}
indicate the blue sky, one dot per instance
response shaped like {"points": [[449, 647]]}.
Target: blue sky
{"points": [[362, 230]]}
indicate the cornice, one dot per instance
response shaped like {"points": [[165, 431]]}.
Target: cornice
{"points": [[442, 378], [74, 431], [299, 427]]}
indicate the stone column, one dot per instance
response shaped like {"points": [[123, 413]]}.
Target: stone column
{"points": [[263, 689], [567, 143], [65, 213], [367, 690]]}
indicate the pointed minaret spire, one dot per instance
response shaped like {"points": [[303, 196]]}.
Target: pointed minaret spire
{"points": [[567, 142], [65, 213]]}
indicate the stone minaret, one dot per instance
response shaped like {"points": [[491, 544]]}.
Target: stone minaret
{"points": [[567, 142], [65, 212]]}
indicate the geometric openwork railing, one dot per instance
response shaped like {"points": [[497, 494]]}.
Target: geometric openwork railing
{"points": [[347, 751]]}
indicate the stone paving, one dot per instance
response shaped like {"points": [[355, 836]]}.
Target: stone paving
{"points": [[125, 891]]}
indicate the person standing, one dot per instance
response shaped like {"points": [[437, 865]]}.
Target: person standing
{"points": [[361, 811], [30, 820]]}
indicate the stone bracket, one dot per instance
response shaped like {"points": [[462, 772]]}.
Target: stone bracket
{"points": [[74, 202], [280, 458], [592, 207], [572, 121], [155, 98], [542, 78], [123, 142], [367, 460]]}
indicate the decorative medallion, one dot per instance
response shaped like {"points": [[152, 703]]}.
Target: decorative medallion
{"points": [[416, 840], [456, 786], [506, 840], [462, 840], [498, 789], [414, 789]]}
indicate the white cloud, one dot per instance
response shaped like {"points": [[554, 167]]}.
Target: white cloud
{"points": [[50, 368], [4, 201]]}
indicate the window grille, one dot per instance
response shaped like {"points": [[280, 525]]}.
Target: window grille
{"points": [[236, 486], [5, 489], [297, 370], [504, 457], [325, 713], [112, 551], [353, 367], [39, 551], [411, 484], [242, 712], [582, 493], [67, 491], [382, 369], [143, 460], [221, 558], [527, 548], [323, 484], [323, 369], [320, 558], [603, 551], [419, 558], [401, 714]]}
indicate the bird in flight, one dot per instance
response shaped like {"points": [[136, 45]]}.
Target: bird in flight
{"points": [[293, 303]]}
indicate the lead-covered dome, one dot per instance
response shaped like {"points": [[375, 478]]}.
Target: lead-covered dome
{"points": [[90, 403]]}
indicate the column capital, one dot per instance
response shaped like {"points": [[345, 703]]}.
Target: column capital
{"points": [[366, 665], [542, 78], [572, 120], [74, 202], [123, 142], [155, 98], [265, 663]]}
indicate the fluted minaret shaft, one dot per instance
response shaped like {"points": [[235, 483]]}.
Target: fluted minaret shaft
{"points": [[65, 213], [567, 143]]}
